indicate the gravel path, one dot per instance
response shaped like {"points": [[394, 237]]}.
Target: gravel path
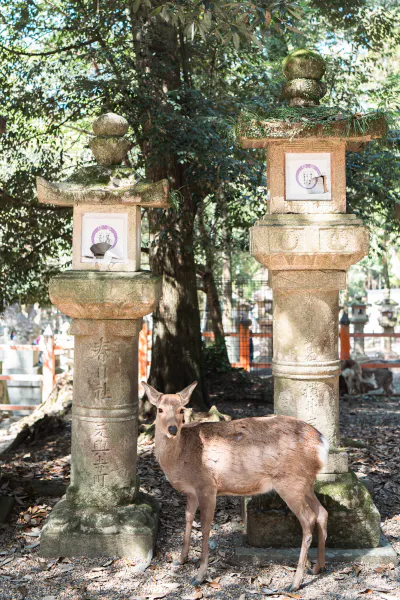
{"points": [[23, 574]]}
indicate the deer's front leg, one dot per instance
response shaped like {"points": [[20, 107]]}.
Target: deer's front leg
{"points": [[207, 501], [191, 507]]}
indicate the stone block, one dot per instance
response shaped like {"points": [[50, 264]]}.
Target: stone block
{"points": [[353, 519], [128, 530], [97, 295], [262, 557], [309, 242]]}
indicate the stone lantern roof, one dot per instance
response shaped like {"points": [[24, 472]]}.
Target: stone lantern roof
{"points": [[107, 182], [304, 117]]}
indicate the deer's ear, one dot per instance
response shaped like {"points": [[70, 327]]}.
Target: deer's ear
{"points": [[152, 394], [187, 392]]}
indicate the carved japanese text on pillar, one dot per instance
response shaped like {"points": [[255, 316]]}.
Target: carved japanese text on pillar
{"points": [[100, 451], [100, 352]]}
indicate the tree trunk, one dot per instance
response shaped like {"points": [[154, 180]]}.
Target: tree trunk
{"points": [[213, 306], [176, 349], [226, 267]]}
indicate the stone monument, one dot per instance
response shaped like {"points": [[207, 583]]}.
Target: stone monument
{"points": [[307, 242], [388, 309], [359, 318], [106, 294]]}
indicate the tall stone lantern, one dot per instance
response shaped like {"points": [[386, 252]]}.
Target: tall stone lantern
{"points": [[307, 242], [359, 318], [106, 294], [388, 309]]}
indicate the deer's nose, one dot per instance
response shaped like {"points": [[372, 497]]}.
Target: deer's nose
{"points": [[172, 429]]}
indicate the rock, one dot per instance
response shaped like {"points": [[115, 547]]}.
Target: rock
{"points": [[6, 506]]}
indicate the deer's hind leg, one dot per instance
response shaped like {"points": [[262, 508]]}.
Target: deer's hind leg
{"points": [[322, 520], [296, 501], [191, 507]]}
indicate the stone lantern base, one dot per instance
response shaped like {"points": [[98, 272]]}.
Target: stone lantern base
{"points": [[123, 531], [353, 521]]}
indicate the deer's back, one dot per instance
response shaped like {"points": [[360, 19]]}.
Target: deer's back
{"points": [[248, 456]]}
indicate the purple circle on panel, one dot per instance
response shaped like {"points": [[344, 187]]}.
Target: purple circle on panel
{"points": [[109, 229], [307, 166]]}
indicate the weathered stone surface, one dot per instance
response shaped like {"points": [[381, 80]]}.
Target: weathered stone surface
{"points": [[110, 124], [292, 242], [306, 89], [103, 512], [109, 150], [353, 521], [303, 63], [98, 295], [104, 413], [383, 555], [124, 530], [103, 185]]}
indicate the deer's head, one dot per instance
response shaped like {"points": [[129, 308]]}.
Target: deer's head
{"points": [[169, 419]]}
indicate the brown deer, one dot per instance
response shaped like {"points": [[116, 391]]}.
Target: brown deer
{"points": [[240, 458]]}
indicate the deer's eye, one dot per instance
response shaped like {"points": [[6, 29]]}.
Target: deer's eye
{"points": [[160, 410], [181, 411]]}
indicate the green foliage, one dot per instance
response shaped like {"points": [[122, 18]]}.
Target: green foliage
{"points": [[61, 63], [214, 356]]}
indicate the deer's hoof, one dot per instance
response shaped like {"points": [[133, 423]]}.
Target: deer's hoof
{"points": [[177, 563], [317, 569], [195, 581], [293, 587]]}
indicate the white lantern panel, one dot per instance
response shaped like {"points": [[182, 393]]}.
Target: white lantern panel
{"points": [[308, 176], [104, 237]]}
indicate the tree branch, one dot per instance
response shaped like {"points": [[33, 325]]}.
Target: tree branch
{"points": [[49, 52]]}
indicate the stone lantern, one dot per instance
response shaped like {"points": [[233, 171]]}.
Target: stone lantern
{"points": [[359, 318], [388, 320], [308, 242], [106, 294]]}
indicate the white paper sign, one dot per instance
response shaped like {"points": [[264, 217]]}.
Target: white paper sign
{"points": [[104, 237], [308, 176]]}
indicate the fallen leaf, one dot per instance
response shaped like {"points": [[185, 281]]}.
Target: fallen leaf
{"points": [[242, 597], [66, 568], [269, 592], [215, 585], [30, 546], [172, 586], [108, 563], [357, 570]]}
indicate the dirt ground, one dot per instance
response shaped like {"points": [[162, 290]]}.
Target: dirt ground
{"points": [[374, 422]]}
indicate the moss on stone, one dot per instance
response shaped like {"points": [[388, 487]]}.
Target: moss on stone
{"points": [[303, 63], [289, 122]]}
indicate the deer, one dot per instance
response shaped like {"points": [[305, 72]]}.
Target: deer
{"points": [[243, 457]]}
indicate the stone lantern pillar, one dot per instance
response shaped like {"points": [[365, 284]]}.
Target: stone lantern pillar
{"points": [[388, 320], [106, 294], [307, 242], [359, 318]]}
